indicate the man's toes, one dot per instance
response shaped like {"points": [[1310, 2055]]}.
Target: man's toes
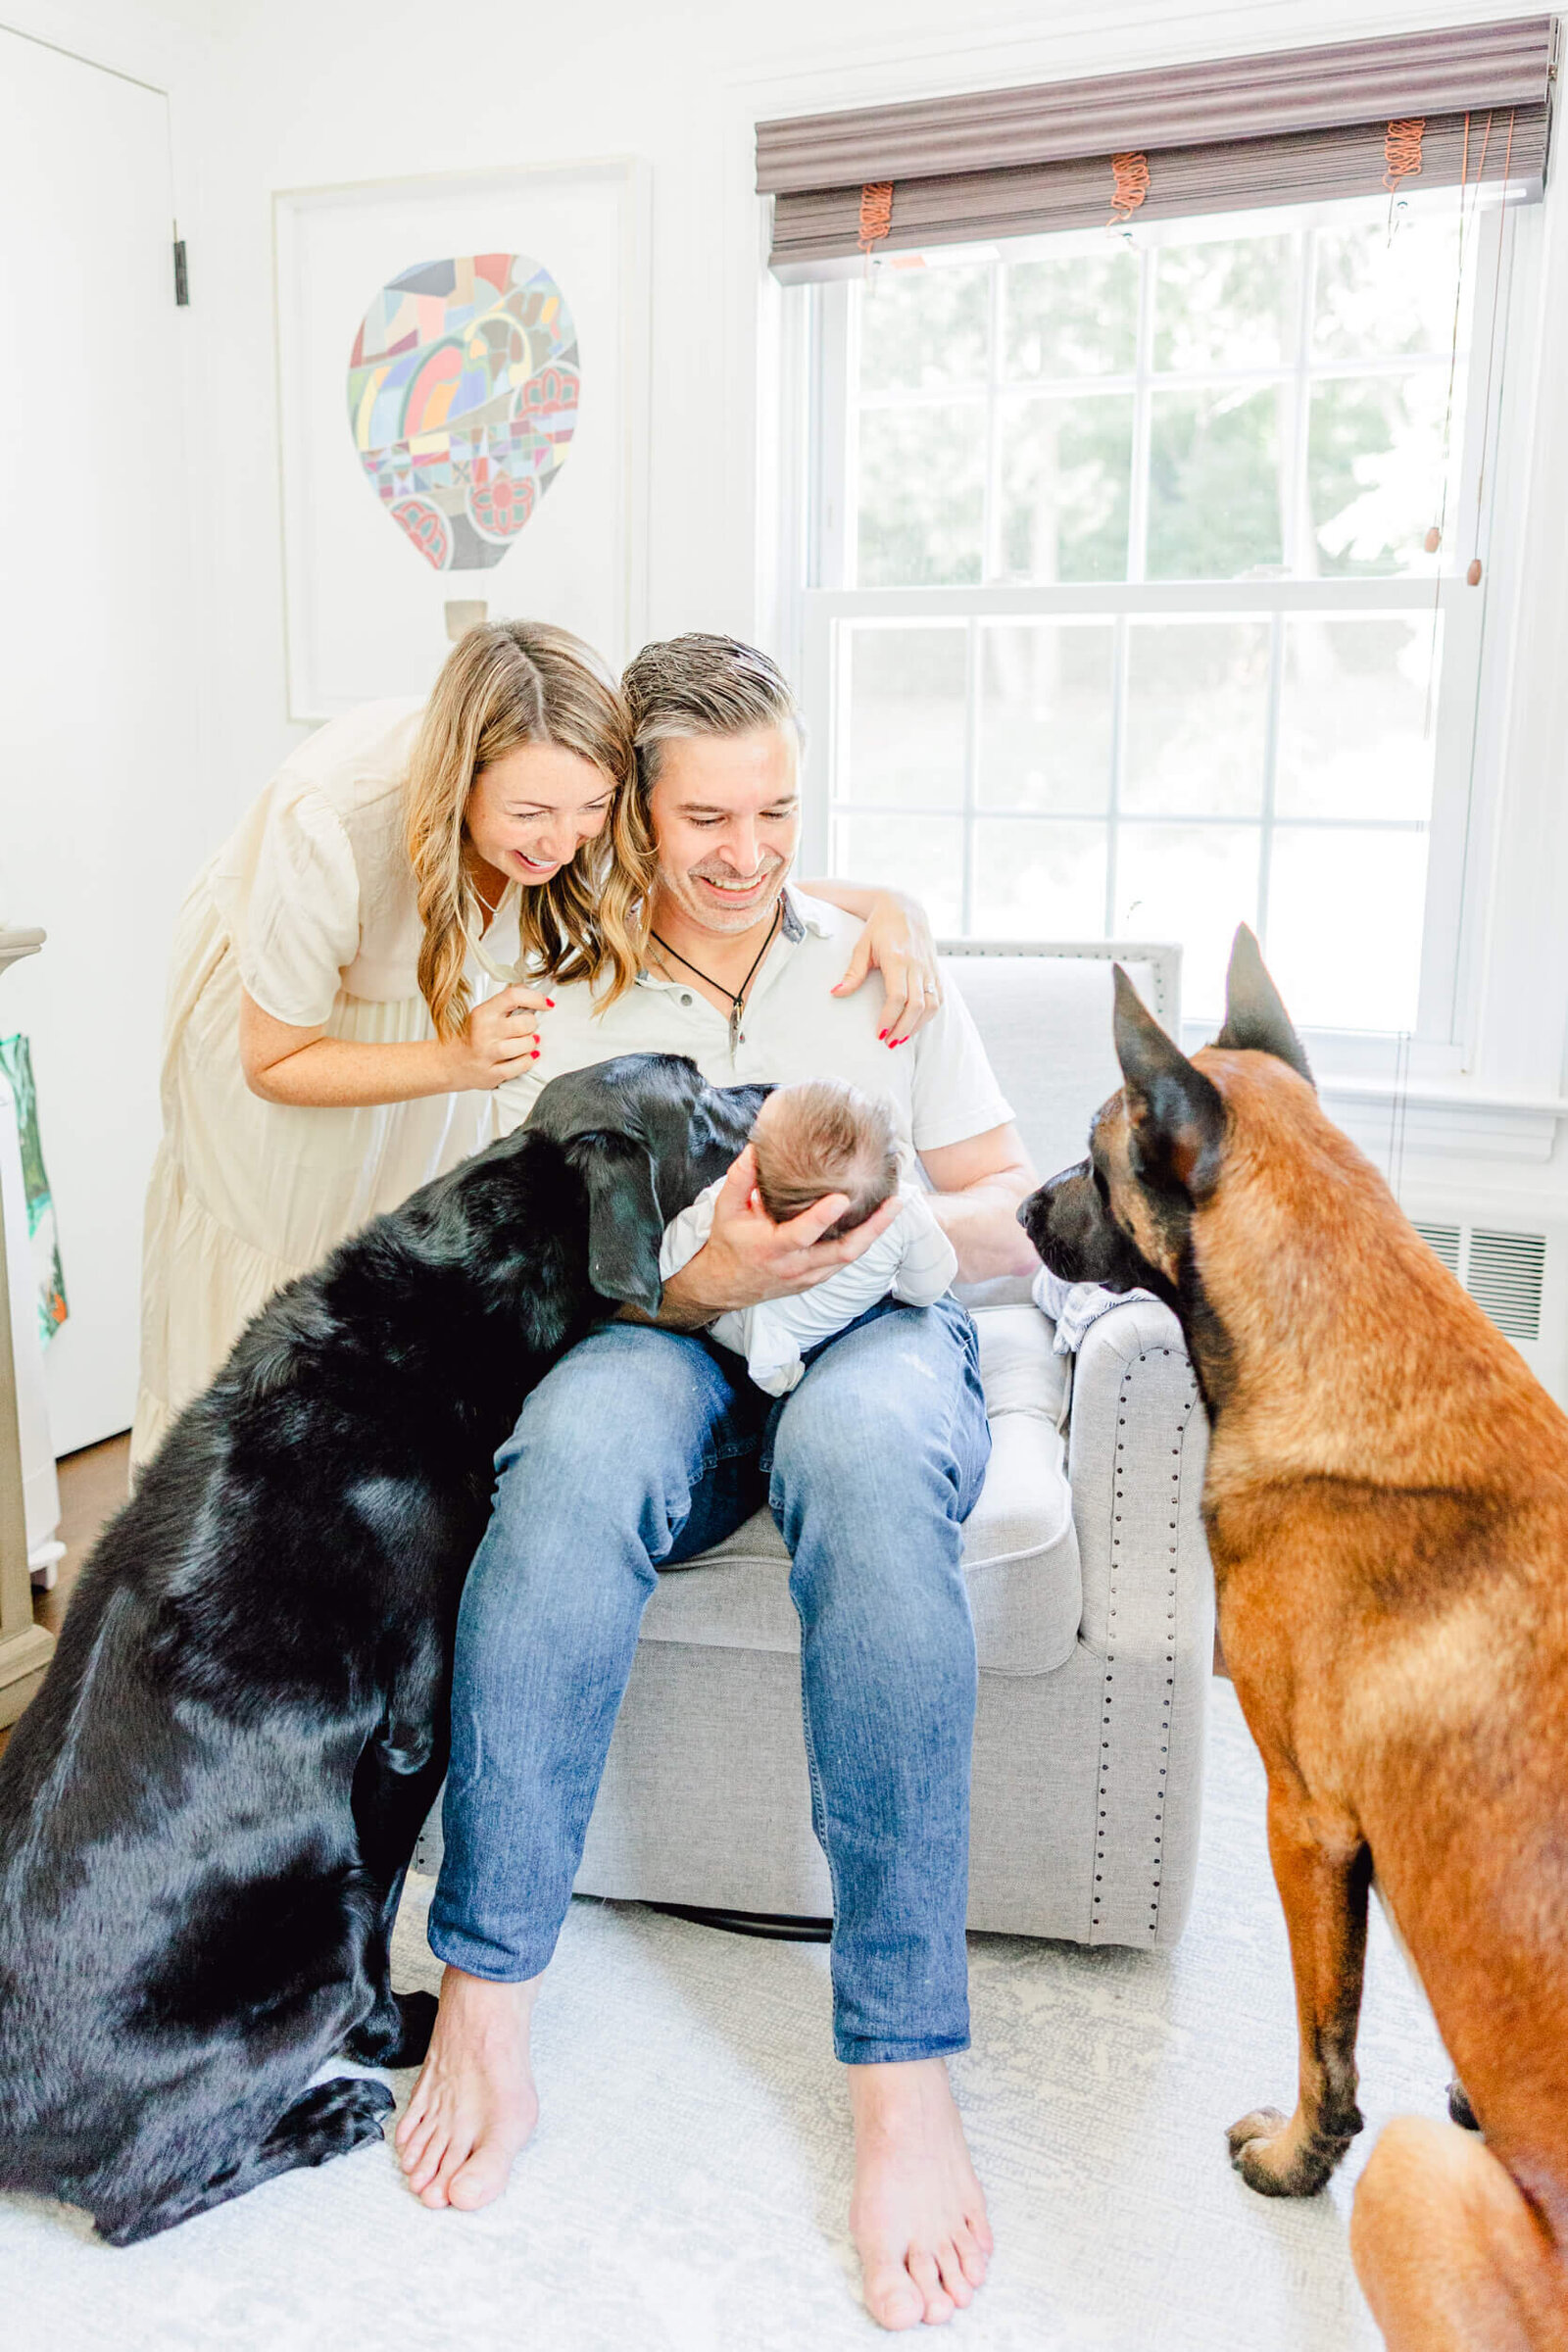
{"points": [[479, 2181], [980, 2228], [971, 2255], [891, 2297], [412, 2142], [934, 2296], [950, 2270]]}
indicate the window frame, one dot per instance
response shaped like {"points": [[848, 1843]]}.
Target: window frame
{"points": [[822, 363]]}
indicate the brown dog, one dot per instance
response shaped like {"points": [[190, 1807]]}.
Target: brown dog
{"points": [[1387, 1504]]}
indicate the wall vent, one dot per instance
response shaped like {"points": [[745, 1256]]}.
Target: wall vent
{"points": [[1444, 1240], [1505, 1278], [1504, 1273]]}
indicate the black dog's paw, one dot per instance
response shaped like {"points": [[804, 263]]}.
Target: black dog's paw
{"points": [[331, 2120], [417, 2013], [395, 2035], [1460, 2110]]}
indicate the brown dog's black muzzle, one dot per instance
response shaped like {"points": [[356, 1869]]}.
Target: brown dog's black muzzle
{"points": [[1067, 1223]]}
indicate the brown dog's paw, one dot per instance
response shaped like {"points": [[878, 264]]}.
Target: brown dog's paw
{"points": [[1272, 2158]]}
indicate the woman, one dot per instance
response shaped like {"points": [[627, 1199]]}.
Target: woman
{"points": [[344, 996]]}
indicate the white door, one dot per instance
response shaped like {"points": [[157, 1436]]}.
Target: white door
{"points": [[97, 768]]}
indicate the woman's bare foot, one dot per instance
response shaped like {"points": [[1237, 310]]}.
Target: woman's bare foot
{"points": [[918, 2214], [475, 2104]]}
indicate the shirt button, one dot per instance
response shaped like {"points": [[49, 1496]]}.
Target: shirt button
{"points": [[685, 1000]]}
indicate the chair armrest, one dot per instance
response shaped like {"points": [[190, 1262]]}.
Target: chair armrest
{"points": [[1138, 1444]]}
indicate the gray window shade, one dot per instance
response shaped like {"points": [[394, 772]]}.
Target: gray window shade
{"points": [[1229, 134]]}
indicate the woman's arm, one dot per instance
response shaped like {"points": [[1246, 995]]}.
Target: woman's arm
{"points": [[897, 940], [311, 1070]]}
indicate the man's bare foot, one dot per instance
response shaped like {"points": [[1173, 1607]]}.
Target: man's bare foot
{"points": [[918, 2214], [475, 2104]]}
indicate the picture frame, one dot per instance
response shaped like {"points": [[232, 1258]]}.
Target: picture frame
{"points": [[412, 482]]}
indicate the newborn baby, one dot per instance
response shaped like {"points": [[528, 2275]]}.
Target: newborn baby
{"points": [[822, 1137]]}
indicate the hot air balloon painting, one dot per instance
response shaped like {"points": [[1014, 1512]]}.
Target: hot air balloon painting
{"points": [[463, 393]]}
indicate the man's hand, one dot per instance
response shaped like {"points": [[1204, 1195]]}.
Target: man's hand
{"points": [[748, 1259]]}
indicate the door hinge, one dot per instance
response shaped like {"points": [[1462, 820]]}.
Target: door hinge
{"points": [[182, 276]]}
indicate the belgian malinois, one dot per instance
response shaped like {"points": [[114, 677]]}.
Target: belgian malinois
{"points": [[1387, 1507]]}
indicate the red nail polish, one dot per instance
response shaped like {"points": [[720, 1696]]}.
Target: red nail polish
{"points": [[551, 1001], [881, 1037]]}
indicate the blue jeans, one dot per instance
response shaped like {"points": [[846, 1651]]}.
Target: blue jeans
{"points": [[640, 1449]]}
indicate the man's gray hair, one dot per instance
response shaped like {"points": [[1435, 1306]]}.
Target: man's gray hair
{"points": [[704, 685]]}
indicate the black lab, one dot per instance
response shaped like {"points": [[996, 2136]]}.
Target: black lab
{"points": [[207, 1811]]}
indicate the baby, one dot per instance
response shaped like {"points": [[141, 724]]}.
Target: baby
{"points": [[822, 1137]]}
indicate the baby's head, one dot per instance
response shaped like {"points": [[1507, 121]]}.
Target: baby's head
{"points": [[824, 1136]]}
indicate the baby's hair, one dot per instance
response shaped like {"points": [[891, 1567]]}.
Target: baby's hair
{"points": [[832, 1139]]}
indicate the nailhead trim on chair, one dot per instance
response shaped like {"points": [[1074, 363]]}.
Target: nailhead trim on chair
{"points": [[1102, 1805]]}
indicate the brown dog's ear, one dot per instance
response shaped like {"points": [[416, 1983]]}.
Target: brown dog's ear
{"points": [[1255, 1018], [1176, 1115]]}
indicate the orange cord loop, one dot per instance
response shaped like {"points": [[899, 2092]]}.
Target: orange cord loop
{"points": [[876, 213], [1130, 174], [1402, 151]]}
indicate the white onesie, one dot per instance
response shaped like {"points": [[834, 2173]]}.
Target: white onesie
{"points": [[913, 1260]]}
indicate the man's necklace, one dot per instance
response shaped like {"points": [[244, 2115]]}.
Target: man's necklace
{"points": [[736, 995]]}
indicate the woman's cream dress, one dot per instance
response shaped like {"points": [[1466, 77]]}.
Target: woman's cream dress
{"points": [[310, 908]]}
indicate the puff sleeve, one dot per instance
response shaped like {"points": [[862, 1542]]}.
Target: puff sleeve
{"points": [[294, 912]]}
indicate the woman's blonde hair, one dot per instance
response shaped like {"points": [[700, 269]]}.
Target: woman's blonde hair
{"points": [[505, 684]]}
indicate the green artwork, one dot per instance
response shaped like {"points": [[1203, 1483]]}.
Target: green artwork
{"points": [[16, 1066]]}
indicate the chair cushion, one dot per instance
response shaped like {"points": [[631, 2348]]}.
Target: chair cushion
{"points": [[1021, 1551]]}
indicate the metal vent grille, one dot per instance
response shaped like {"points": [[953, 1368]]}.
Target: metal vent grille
{"points": [[1443, 1239], [1505, 1278]]}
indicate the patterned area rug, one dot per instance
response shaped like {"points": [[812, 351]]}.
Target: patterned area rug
{"points": [[688, 2185]]}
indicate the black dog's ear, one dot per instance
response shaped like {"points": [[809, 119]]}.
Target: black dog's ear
{"points": [[624, 1226], [1255, 1018], [1176, 1114]]}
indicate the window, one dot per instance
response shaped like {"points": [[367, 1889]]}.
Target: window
{"points": [[1122, 618]]}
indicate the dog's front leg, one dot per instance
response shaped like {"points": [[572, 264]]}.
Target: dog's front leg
{"points": [[1323, 1871]]}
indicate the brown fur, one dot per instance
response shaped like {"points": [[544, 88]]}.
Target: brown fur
{"points": [[1387, 1504]]}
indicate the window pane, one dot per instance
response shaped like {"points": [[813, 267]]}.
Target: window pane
{"points": [[1376, 298], [1214, 491], [1194, 883], [1375, 469], [1045, 716], [1039, 879], [922, 328], [1076, 317], [1196, 718], [904, 697], [1224, 305], [1354, 738], [919, 853], [922, 483], [1344, 914], [1067, 466]]}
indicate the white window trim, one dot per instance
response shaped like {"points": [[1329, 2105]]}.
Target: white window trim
{"points": [[1430, 1067]]}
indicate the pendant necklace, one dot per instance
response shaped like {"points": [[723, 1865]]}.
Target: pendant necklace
{"points": [[737, 996]]}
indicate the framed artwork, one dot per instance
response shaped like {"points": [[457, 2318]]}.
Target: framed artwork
{"points": [[462, 394]]}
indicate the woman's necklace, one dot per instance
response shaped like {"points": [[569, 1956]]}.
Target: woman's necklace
{"points": [[736, 995]]}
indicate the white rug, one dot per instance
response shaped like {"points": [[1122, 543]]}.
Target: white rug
{"points": [[689, 2181]]}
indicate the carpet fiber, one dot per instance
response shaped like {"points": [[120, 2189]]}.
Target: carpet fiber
{"points": [[691, 2174]]}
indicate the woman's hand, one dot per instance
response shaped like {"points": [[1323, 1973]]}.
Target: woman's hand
{"points": [[499, 1040], [897, 942], [747, 1258]]}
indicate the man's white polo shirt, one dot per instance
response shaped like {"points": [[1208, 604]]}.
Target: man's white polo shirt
{"points": [[941, 1085]]}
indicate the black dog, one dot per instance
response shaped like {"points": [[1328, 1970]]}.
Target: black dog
{"points": [[207, 1812]]}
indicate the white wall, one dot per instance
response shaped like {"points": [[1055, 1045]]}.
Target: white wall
{"points": [[289, 93]]}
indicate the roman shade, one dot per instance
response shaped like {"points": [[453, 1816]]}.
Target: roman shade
{"points": [[1467, 103]]}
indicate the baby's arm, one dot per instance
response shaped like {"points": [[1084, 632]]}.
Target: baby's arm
{"points": [[686, 1233], [929, 1264]]}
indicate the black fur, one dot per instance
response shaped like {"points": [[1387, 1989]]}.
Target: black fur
{"points": [[207, 1811]]}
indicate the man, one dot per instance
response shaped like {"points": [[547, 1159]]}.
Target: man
{"points": [[647, 1445]]}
